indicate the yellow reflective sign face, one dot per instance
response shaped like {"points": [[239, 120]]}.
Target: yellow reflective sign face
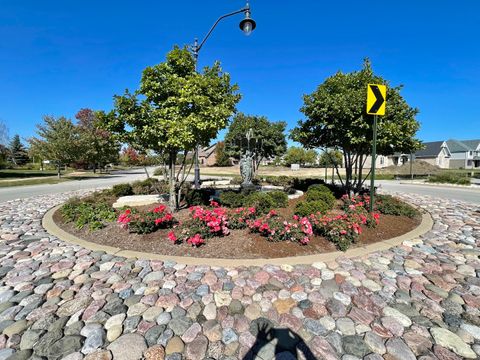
{"points": [[376, 99]]}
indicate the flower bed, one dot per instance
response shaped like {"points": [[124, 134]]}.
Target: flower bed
{"points": [[216, 231]]}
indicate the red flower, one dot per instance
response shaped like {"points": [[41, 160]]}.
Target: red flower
{"points": [[172, 237]]}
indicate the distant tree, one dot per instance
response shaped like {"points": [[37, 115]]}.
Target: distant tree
{"points": [[330, 158], [57, 140], [174, 109], [130, 156], [298, 155], [17, 154], [268, 137], [99, 147], [336, 118], [222, 157]]}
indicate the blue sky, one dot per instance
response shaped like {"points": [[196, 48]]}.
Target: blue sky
{"points": [[59, 56]]}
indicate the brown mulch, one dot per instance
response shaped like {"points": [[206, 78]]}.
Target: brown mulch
{"points": [[240, 244]]}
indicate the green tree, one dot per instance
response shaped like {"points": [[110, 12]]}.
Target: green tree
{"points": [[222, 158], [17, 152], [174, 109], [301, 156], [99, 147], [336, 118], [268, 137], [330, 158], [57, 140]]}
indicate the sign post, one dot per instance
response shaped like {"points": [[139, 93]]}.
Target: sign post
{"points": [[376, 101]]}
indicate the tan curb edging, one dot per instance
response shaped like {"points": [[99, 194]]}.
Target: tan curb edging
{"points": [[52, 228]]}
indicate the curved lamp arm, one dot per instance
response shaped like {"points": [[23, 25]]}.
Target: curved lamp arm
{"points": [[196, 46]]}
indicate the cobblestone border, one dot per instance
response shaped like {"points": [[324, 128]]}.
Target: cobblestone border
{"points": [[52, 228]]}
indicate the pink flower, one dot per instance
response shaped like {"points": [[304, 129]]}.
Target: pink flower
{"points": [[214, 203], [172, 237], [196, 240]]}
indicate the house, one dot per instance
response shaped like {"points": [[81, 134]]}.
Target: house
{"points": [[465, 154], [435, 153], [207, 156]]}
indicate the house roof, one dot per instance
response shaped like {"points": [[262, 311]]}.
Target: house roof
{"points": [[207, 151], [432, 149], [463, 145]]}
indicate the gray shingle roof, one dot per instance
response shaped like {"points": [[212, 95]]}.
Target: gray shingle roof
{"points": [[462, 145], [432, 149]]}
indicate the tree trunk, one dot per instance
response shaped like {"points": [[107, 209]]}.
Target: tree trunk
{"points": [[94, 168], [146, 171], [59, 174], [171, 199]]}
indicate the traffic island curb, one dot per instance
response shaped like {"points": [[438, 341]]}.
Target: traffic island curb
{"points": [[52, 228]]}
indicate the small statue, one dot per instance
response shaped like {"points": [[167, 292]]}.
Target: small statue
{"points": [[246, 169]]}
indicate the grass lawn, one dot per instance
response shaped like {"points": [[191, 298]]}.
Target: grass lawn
{"points": [[46, 177], [23, 174]]}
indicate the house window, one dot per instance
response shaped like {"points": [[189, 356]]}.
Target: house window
{"points": [[382, 160], [470, 153]]}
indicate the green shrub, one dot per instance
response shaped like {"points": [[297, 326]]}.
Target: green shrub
{"points": [[280, 198], [150, 186], [159, 171], [281, 180], [198, 196], [388, 205], [261, 201], [319, 187], [95, 215], [307, 208], [450, 178], [232, 199], [317, 195], [304, 183], [122, 190]]}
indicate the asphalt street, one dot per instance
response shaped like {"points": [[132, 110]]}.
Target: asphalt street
{"points": [[116, 177], [20, 192], [447, 192]]}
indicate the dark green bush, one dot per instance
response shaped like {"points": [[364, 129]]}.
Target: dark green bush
{"points": [[280, 198], [307, 208], [315, 195], [304, 183], [388, 205], [122, 190], [198, 197], [261, 201], [232, 199]]}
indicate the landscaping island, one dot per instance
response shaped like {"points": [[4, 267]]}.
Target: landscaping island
{"points": [[236, 225]]}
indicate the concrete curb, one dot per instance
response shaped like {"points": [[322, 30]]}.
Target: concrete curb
{"points": [[442, 185], [52, 228]]}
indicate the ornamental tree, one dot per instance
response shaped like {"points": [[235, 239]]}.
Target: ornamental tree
{"points": [[174, 109], [336, 118], [268, 139], [99, 147], [57, 140]]}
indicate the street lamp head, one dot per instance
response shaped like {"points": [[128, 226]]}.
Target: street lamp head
{"points": [[247, 25]]}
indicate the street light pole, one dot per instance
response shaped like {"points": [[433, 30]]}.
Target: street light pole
{"points": [[247, 25]]}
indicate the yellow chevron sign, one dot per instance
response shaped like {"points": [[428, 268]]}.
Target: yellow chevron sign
{"points": [[376, 99]]}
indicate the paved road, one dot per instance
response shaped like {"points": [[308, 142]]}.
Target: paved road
{"points": [[20, 192], [470, 195]]}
